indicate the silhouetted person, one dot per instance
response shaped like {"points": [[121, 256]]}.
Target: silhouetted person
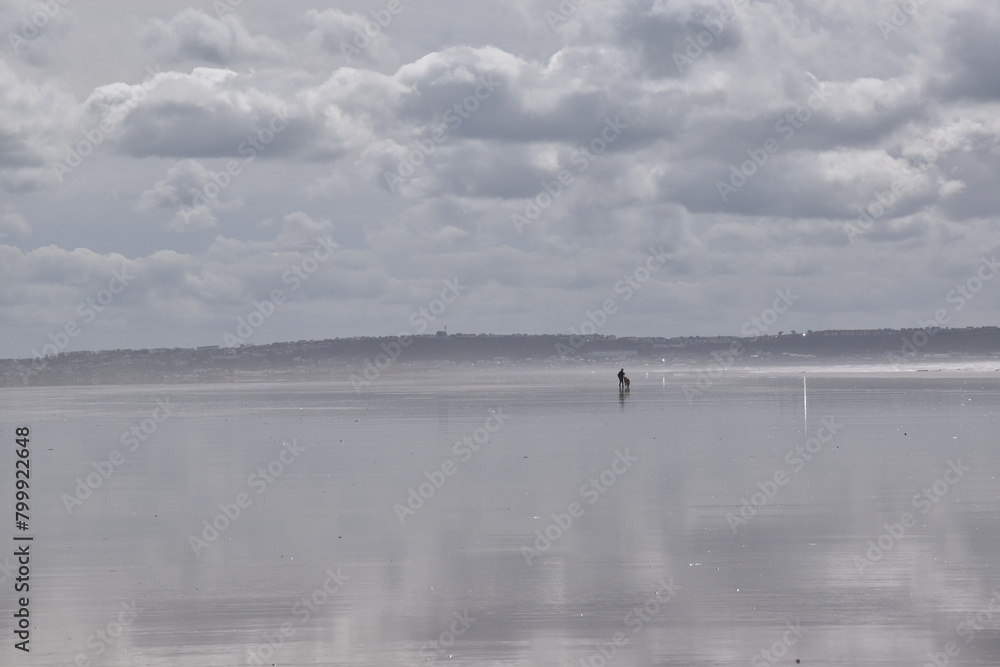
{"points": [[621, 378]]}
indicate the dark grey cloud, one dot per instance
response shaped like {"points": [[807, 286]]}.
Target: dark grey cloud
{"points": [[670, 40], [970, 44]]}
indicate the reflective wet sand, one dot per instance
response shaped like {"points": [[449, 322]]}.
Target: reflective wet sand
{"points": [[506, 517]]}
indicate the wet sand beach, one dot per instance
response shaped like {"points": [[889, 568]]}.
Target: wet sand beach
{"points": [[476, 516]]}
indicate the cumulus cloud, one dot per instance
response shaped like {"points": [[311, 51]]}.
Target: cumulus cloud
{"points": [[194, 36], [669, 38], [36, 118], [352, 37], [193, 194], [207, 113]]}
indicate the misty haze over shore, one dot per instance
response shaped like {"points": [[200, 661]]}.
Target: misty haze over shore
{"points": [[362, 357]]}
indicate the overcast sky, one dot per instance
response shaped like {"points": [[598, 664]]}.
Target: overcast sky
{"points": [[167, 168]]}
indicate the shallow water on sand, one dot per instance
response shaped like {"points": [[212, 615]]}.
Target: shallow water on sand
{"points": [[588, 521]]}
